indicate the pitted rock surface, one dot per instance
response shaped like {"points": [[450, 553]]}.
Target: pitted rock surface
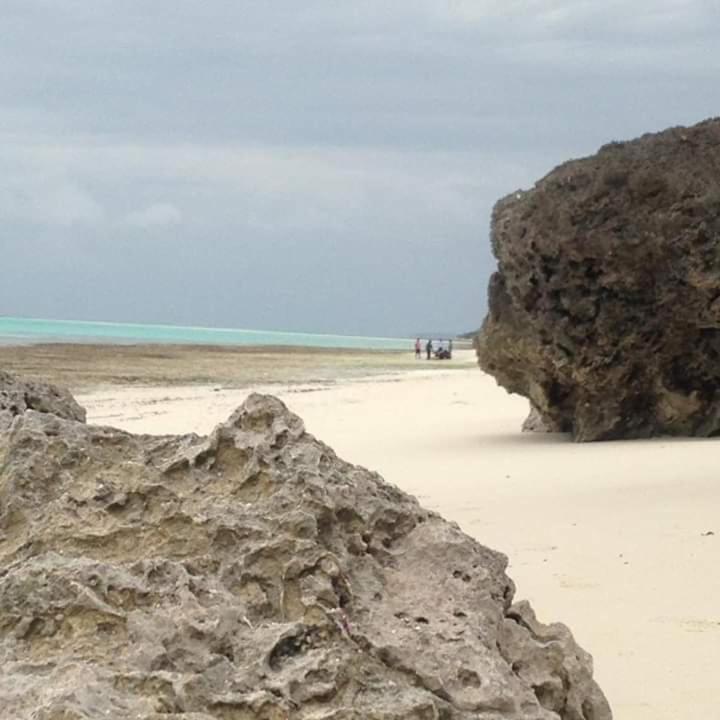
{"points": [[253, 575], [18, 395], [605, 310]]}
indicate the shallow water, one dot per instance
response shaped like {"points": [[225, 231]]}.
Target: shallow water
{"points": [[15, 331]]}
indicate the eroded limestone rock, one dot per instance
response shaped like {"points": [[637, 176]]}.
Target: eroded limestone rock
{"points": [[18, 395], [534, 422], [605, 310], [253, 575]]}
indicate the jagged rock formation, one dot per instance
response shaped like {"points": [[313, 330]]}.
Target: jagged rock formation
{"points": [[17, 396], [252, 575], [605, 310]]}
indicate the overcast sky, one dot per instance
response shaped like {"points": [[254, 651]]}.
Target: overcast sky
{"points": [[317, 165]]}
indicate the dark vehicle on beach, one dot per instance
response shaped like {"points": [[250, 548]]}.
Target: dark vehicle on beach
{"points": [[443, 351]]}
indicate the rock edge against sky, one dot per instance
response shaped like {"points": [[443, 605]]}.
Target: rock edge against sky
{"points": [[605, 309]]}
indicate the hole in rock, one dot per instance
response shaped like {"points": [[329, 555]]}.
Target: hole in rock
{"points": [[289, 647], [469, 678]]}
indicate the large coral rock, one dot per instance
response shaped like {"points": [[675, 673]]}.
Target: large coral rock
{"points": [[253, 575], [605, 310], [18, 395]]}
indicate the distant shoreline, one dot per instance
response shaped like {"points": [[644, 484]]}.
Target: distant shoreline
{"points": [[45, 345], [25, 331]]}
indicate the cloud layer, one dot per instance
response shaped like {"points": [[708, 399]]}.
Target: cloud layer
{"points": [[309, 166]]}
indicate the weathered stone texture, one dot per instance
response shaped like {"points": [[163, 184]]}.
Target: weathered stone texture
{"points": [[605, 310], [18, 395], [253, 575]]}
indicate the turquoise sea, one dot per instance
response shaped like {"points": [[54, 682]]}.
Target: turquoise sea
{"points": [[16, 331]]}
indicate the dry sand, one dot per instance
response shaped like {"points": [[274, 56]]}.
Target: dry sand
{"points": [[609, 538]]}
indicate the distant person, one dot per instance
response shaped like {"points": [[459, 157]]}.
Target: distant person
{"points": [[417, 349], [450, 349], [429, 349]]}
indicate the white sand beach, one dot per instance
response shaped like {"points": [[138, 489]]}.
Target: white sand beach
{"points": [[610, 538]]}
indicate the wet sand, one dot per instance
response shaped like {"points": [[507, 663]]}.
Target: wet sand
{"points": [[81, 366]]}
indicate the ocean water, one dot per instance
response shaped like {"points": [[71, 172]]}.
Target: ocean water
{"points": [[16, 331]]}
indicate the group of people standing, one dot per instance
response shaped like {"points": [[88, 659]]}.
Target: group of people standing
{"points": [[442, 351]]}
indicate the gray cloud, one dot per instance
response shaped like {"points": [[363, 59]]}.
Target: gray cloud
{"points": [[321, 165], [155, 216]]}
